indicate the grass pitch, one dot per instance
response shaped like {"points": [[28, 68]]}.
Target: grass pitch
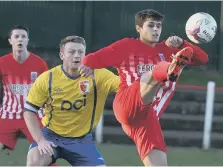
{"points": [[126, 155]]}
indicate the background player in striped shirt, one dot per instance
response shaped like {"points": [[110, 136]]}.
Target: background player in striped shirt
{"points": [[73, 107], [148, 76], [18, 71]]}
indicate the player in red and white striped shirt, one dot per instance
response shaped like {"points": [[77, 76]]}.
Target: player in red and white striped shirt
{"points": [[18, 71], [148, 78]]}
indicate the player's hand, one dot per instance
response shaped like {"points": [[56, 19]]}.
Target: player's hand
{"points": [[45, 147], [174, 42], [85, 71]]}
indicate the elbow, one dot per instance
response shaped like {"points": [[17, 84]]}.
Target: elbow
{"points": [[205, 58], [28, 114], [200, 59]]}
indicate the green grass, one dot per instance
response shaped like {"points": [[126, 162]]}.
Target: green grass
{"points": [[126, 155]]}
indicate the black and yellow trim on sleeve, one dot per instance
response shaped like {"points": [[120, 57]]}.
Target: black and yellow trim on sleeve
{"points": [[31, 107], [95, 104], [50, 99]]}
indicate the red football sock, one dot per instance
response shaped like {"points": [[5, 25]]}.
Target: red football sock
{"points": [[160, 71]]}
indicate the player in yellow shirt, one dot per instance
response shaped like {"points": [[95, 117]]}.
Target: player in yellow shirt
{"points": [[73, 106]]}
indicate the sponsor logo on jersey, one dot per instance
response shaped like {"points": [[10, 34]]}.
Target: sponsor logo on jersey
{"points": [[84, 87], [33, 76], [142, 68], [74, 105], [20, 89]]}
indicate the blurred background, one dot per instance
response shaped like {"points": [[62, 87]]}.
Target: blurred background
{"points": [[104, 22]]}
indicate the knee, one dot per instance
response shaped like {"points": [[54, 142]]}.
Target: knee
{"points": [[35, 159], [155, 158], [33, 162]]}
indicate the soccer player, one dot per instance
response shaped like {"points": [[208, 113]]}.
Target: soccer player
{"points": [[148, 76], [73, 107], [18, 71]]}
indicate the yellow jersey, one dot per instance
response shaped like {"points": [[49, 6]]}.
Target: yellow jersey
{"points": [[72, 106]]}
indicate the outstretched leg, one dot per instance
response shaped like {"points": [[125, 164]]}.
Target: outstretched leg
{"points": [[163, 71]]}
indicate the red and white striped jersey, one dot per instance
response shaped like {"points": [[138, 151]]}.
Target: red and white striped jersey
{"points": [[132, 58], [17, 79]]}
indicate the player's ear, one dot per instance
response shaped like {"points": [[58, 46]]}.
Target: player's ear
{"points": [[61, 55], [10, 41], [138, 28]]}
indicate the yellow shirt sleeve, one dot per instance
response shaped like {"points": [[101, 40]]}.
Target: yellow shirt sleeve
{"points": [[38, 93], [108, 80]]}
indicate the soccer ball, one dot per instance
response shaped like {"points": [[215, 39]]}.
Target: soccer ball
{"points": [[201, 28]]}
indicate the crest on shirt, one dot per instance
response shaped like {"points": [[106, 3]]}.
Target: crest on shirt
{"points": [[84, 87], [33, 76], [161, 55]]}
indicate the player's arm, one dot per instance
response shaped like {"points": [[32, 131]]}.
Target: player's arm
{"points": [[108, 80], [199, 57], [176, 43], [110, 56], [37, 96], [113, 82]]}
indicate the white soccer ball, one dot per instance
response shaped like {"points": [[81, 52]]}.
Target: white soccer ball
{"points": [[201, 28]]}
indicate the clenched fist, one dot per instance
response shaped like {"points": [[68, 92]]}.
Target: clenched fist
{"points": [[174, 42]]}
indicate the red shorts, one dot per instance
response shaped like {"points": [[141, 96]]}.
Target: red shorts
{"points": [[138, 120], [147, 136], [128, 105], [10, 130]]}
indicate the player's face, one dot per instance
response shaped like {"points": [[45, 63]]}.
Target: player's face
{"points": [[19, 40], [72, 54], [150, 31]]}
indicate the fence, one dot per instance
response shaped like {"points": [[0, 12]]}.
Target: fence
{"points": [[100, 23], [207, 130]]}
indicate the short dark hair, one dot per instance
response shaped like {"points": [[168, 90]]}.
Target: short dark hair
{"points": [[141, 16], [75, 39], [18, 27]]}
